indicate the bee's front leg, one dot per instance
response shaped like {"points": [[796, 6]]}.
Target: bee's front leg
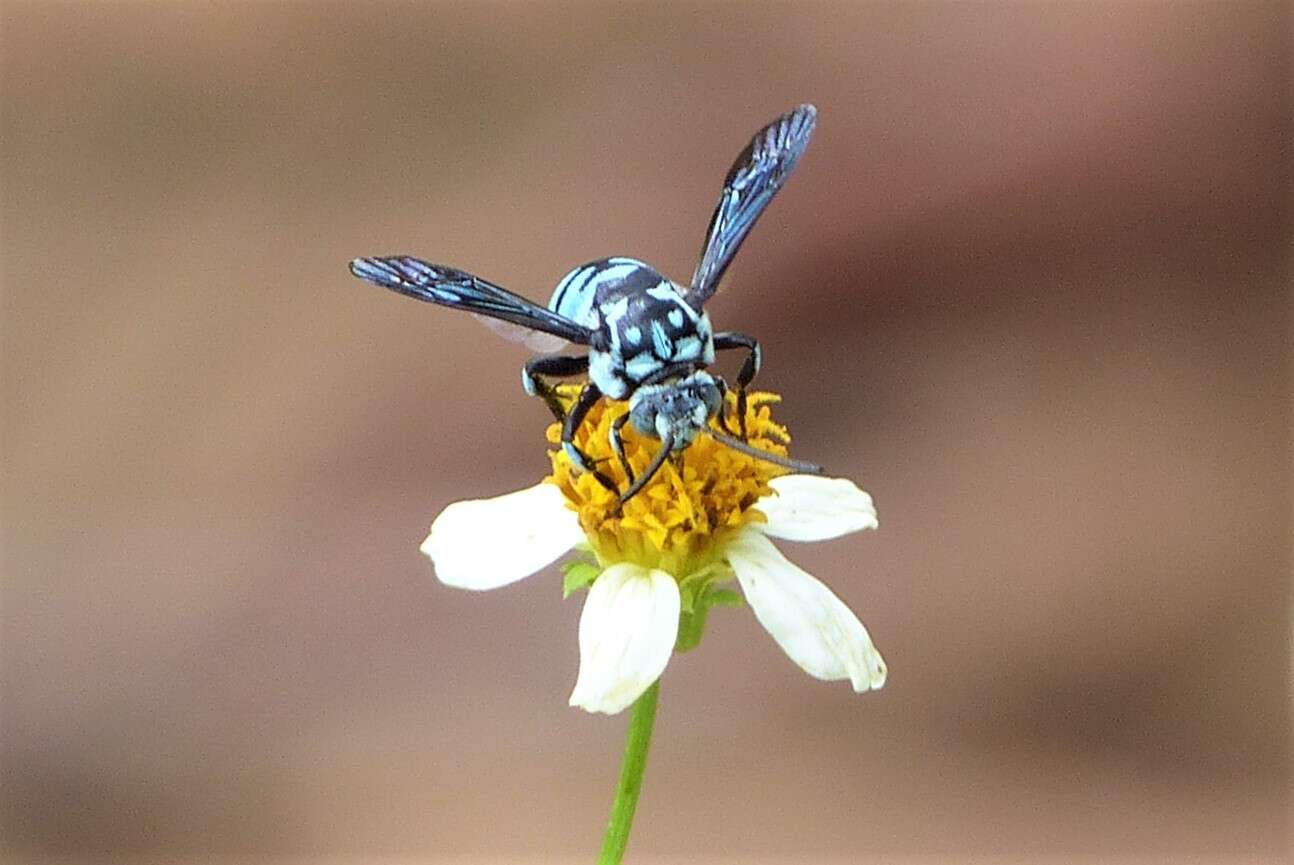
{"points": [[588, 396], [556, 365]]}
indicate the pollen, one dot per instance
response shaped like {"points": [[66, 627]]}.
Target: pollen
{"points": [[700, 495]]}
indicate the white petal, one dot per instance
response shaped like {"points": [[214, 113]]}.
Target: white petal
{"points": [[627, 633], [487, 543], [807, 620], [813, 508]]}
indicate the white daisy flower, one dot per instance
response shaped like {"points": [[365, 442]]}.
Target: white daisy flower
{"points": [[662, 562]]}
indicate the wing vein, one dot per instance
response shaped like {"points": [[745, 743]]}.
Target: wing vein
{"points": [[447, 286], [754, 178]]}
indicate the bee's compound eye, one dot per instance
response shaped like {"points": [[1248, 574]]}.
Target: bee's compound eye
{"points": [[713, 400], [642, 417]]}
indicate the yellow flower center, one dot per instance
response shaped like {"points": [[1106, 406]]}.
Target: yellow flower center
{"points": [[700, 494]]}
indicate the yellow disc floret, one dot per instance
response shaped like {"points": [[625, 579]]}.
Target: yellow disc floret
{"points": [[699, 494]]}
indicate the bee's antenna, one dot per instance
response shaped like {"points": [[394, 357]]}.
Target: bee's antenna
{"points": [[666, 448], [785, 462]]}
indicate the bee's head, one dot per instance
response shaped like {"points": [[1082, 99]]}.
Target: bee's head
{"points": [[676, 410]]}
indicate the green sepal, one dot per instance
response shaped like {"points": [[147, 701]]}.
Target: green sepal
{"points": [[724, 598], [691, 626], [698, 597], [687, 598], [577, 575]]}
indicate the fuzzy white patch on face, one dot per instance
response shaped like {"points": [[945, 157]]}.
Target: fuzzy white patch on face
{"points": [[662, 427], [634, 334], [699, 413], [676, 318], [682, 428]]}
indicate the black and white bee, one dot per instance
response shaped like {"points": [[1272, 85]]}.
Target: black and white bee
{"points": [[649, 339]]}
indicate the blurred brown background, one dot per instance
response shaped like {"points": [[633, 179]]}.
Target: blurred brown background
{"points": [[1029, 287]]}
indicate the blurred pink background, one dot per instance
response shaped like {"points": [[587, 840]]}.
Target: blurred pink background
{"points": [[1029, 287]]}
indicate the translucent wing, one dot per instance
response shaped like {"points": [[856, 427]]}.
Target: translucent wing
{"points": [[753, 180], [447, 286], [542, 343], [573, 299]]}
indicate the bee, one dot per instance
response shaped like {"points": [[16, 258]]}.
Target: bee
{"points": [[649, 339]]}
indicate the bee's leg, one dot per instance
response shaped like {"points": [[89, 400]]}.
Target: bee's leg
{"points": [[723, 406], [732, 339], [618, 445], [557, 365], [588, 396], [666, 448]]}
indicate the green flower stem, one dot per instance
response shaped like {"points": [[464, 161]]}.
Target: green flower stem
{"points": [[637, 741], [690, 628]]}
